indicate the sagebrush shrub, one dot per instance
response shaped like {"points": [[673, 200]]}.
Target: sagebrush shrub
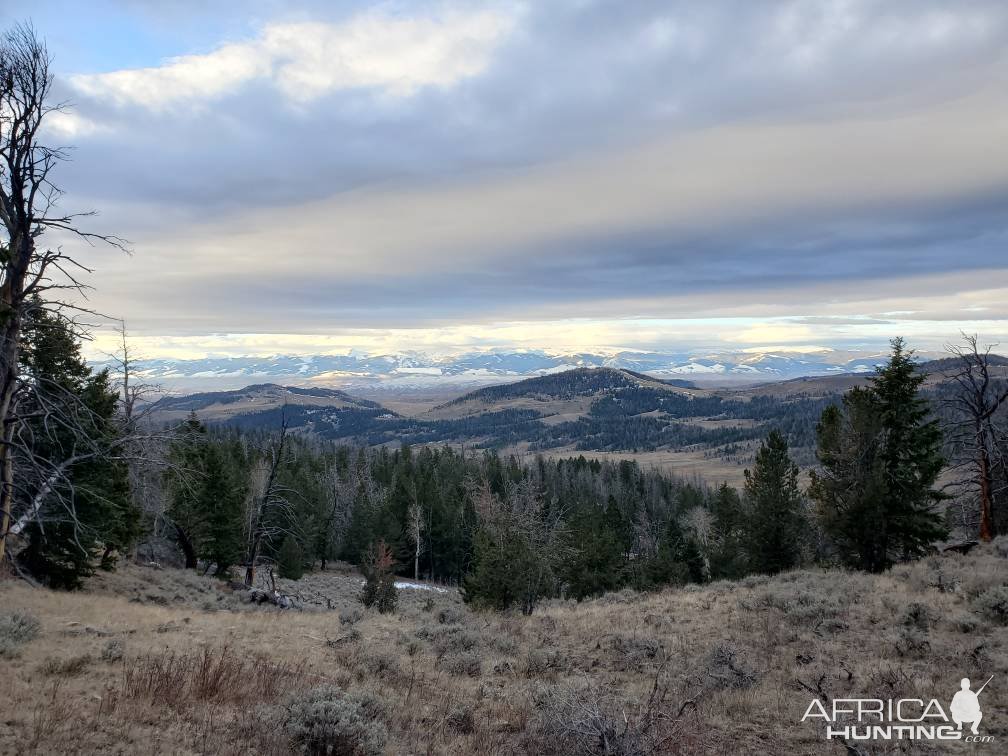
{"points": [[450, 616], [71, 667], [581, 718], [467, 663], [350, 616], [993, 604], [113, 651], [326, 721], [16, 629], [461, 719], [727, 670], [919, 616]]}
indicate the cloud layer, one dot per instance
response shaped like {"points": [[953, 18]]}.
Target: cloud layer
{"points": [[780, 172], [307, 60]]}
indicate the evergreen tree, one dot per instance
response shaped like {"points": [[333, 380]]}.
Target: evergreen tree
{"points": [[596, 560], [221, 497], [185, 480], [518, 551], [86, 507], [880, 457], [727, 554], [290, 559], [774, 504], [677, 561]]}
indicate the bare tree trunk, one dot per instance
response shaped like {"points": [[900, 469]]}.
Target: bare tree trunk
{"points": [[251, 564], [269, 500], [984, 473], [8, 369], [187, 548]]}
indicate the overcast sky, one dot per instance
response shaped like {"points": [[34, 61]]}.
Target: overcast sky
{"points": [[305, 177]]}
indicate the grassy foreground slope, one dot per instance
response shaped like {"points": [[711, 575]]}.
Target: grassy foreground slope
{"points": [[162, 661]]}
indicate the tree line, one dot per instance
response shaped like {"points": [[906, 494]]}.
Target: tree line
{"points": [[508, 532]]}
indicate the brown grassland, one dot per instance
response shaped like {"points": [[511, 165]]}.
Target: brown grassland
{"points": [[149, 660]]}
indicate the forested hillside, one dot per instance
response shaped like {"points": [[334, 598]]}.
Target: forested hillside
{"points": [[608, 410]]}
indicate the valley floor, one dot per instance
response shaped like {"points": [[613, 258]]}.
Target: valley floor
{"points": [[151, 660]]}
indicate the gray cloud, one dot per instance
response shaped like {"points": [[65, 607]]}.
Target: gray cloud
{"points": [[633, 159]]}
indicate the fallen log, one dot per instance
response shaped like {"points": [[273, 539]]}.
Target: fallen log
{"points": [[962, 548], [281, 600]]}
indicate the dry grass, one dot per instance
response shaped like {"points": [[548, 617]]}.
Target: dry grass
{"points": [[714, 669]]}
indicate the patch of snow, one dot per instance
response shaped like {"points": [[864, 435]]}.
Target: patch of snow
{"points": [[419, 586], [417, 371]]}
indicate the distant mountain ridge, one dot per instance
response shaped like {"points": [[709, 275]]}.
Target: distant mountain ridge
{"points": [[421, 370]]}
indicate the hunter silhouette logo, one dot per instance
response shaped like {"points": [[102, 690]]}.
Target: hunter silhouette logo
{"points": [[854, 719], [965, 706]]}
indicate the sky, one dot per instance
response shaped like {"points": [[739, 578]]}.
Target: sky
{"points": [[311, 177]]}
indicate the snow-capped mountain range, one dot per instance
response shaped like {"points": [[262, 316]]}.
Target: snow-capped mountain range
{"points": [[403, 371]]}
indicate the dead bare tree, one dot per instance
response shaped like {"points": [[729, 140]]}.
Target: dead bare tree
{"points": [[343, 490], [975, 431], [268, 506], [29, 272], [149, 444], [416, 523]]}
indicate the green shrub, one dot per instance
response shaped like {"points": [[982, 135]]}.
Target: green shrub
{"points": [[325, 720]]}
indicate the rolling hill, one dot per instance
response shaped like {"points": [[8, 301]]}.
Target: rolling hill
{"points": [[217, 406], [601, 410]]}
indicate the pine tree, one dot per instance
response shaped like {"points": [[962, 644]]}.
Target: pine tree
{"points": [[777, 524], [103, 520], [596, 560], [880, 457], [290, 559], [727, 550], [185, 480], [518, 550], [677, 561], [221, 497]]}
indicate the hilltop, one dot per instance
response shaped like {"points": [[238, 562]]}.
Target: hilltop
{"points": [[215, 406]]}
